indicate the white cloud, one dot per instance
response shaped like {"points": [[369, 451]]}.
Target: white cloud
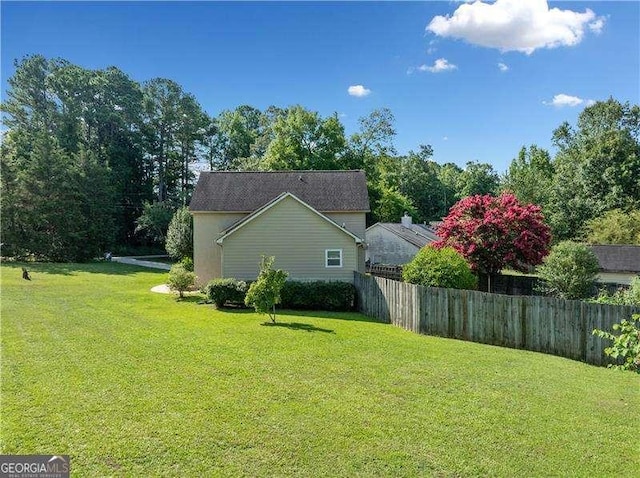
{"points": [[503, 67], [562, 100], [516, 25], [440, 65], [597, 25], [358, 90], [445, 138]]}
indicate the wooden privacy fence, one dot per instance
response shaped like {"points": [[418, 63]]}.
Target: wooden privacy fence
{"points": [[541, 324]]}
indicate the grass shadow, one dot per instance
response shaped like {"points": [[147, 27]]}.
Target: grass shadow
{"points": [[312, 314], [298, 326], [70, 269], [352, 316], [194, 299]]}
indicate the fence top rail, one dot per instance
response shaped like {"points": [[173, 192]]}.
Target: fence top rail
{"points": [[550, 301]]}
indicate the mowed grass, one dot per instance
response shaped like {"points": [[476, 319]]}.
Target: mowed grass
{"points": [[132, 383]]}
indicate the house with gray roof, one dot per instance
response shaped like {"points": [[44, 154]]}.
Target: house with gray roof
{"points": [[618, 263], [312, 222], [392, 243]]}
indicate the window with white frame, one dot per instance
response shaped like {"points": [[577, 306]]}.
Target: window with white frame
{"points": [[333, 258]]}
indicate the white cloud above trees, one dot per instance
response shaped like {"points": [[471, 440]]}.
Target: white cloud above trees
{"points": [[516, 25], [561, 100], [358, 91]]}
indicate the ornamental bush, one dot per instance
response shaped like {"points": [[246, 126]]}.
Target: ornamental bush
{"points": [[187, 263], [180, 279], [318, 295], [443, 267], [223, 291], [493, 233], [569, 271]]}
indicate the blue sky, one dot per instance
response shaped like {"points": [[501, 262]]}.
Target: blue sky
{"points": [[441, 77]]}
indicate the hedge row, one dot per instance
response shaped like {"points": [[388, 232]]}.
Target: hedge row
{"points": [[318, 295]]}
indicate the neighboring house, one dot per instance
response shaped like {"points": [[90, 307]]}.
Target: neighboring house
{"points": [[313, 222], [618, 263], [390, 243]]}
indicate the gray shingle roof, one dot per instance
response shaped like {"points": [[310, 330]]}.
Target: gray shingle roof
{"points": [[618, 258], [246, 191], [416, 234]]}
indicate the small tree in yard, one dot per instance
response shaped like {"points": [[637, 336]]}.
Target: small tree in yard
{"points": [[264, 293], [180, 279], [179, 242], [493, 233], [439, 268], [626, 345], [570, 271]]}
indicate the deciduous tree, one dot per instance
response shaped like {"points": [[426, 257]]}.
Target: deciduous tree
{"points": [[614, 227], [264, 293], [304, 140], [496, 232], [179, 242], [597, 166], [530, 176]]}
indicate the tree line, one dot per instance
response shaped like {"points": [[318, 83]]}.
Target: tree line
{"points": [[93, 160]]}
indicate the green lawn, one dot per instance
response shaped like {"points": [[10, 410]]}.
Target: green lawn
{"points": [[132, 383]]}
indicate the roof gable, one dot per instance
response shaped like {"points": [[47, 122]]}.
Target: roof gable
{"points": [[247, 191], [265, 208]]}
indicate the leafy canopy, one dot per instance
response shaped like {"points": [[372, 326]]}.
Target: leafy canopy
{"points": [[180, 235], [154, 221], [443, 267], [492, 233], [614, 227], [570, 271]]}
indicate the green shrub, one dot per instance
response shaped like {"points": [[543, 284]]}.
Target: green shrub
{"points": [[264, 293], [569, 271], [180, 279], [630, 296], [439, 268], [222, 291], [318, 295], [187, 263], [626, 346]]}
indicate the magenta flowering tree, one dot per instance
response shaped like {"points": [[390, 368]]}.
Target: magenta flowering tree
{"points": [[493, 233]]}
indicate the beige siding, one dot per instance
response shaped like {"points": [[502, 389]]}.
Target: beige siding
{"points": [[616, 277], [297, 237], [206, 253], [355, 223]]}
